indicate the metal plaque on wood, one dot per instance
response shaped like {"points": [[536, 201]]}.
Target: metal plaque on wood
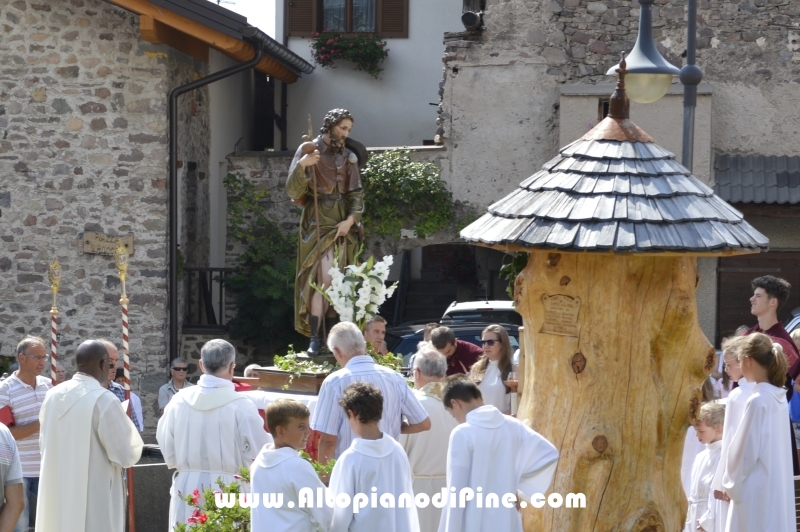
{"points": [[102, 244], [561, 314]]}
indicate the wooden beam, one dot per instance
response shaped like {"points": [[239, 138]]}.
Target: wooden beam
{"points": [[230, 46], [156, 32]]}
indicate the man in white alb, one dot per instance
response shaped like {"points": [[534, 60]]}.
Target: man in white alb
{"points": [[427, 451], [86, 440], [209, 431]]}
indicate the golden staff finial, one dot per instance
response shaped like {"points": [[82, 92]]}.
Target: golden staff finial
{"points": [[55, 281], [121, 261]]}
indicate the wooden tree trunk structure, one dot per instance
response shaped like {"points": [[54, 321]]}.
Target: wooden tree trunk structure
{"points": [[615, 399], [613, 355]]}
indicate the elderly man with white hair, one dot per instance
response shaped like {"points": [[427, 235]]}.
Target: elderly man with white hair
{"points": [[208, 431], [427, 451], [347, 343]]}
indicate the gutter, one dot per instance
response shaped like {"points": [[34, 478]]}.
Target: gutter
{"points": [[260, 42]]}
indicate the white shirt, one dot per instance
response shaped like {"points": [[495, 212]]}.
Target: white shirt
{"points": [[374, 463], [493, 389], [10, 466], [427, 453], [207, 431], [501, 455], [703, 469], [398, 401], [758, 467], [25, 403], [282, 471]]}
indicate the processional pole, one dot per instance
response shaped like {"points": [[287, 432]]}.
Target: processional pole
{"points": [[55, 282], [121, 261]]}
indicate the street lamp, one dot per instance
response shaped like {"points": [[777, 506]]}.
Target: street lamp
{"points": [[649, 74]]}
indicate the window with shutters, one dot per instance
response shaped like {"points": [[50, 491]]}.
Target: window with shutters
{"points": [[387, 18]]}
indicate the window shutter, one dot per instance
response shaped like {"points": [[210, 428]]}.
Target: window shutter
{"points": [[302, 17], [393, 18]]}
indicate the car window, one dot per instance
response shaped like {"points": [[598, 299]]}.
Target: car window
{"points": [[492, 316], [406, 346]]}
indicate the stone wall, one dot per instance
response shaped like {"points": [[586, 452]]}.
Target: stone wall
{"points": [[83, 129], [500, 99]]}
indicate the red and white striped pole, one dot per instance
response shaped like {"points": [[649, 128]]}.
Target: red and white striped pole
{"points": [[121, 260], [55, 282]]}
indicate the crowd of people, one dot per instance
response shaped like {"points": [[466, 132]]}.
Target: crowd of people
{"points": [[391, 443]]}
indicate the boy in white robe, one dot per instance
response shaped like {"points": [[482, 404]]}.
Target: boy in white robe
{"points": [[716, 519], [373, 468], [497, 453], [279, 469], [709, 433], [758, 474]]}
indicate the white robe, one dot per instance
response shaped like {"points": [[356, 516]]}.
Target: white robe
{"points": [[86, 441], [734, 410], [207, 432], [374, 463], [283, 471], [493, 389], [705, 465], [759, 477], [501, 455], [427, 453], [691, 448]]}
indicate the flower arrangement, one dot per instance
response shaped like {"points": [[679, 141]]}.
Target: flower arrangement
{"points": [[357, 293], [363, 49], [208, 517]]}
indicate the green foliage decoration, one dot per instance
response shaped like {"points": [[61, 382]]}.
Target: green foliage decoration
{"points": [[206, 517], [397, 189], [363, 49], [263, 282], [510, 270]]}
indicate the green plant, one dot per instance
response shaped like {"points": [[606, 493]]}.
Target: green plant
{"points": [[363, 49], [323, 470], [397, 189], [207, 517], [263, 281], [296, 365], [509, 271]]}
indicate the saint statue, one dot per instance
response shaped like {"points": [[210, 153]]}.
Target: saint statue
{"points": [[326, 182]]}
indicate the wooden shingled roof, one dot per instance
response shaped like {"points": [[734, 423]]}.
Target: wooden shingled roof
{"points": [[615, 190]]}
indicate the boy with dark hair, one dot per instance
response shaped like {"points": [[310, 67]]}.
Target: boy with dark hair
{"points": [[494, 452], [278, 469], [769, 294], [374, 468], [460, 355]]}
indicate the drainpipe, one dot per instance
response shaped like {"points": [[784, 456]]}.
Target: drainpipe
{"points": [[255, 37]]}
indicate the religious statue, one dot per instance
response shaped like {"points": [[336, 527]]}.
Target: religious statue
{"points": [[325, 180]]}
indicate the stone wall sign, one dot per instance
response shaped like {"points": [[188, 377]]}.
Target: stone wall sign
{"points": [[561, 314], [102, 244]]}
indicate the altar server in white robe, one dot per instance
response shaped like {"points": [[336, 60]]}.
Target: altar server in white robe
{"points": [[709, 433], [758, 474], [374, 466], [716, 519], [497, 453], [208, 431], [86, 441], [278, 469], [494, 367], [427, 451]]}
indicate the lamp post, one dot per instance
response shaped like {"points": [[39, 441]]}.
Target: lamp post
{"points": [[650, 75]]}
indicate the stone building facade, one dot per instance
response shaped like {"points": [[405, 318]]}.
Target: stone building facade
{"points": [[503, 91], [83, 125]]}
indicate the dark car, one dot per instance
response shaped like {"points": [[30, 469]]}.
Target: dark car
{"points": [[468, 332]]}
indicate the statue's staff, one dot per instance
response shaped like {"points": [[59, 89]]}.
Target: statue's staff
{"points": [[55, 282], [121, 261]]}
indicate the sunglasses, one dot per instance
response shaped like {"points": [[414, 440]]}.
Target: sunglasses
{"points": [[180, 369], [490, 343]]}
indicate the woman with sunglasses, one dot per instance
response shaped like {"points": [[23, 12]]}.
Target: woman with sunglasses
{"points": [[493, 368]]}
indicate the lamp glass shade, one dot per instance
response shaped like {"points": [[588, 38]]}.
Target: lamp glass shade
{"points": [[647, 88]]}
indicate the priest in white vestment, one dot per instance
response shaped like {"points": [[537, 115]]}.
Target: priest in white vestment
{"points": [[494, 452], [86, 441], [209, 431], [427, 451], [374, 466]]}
